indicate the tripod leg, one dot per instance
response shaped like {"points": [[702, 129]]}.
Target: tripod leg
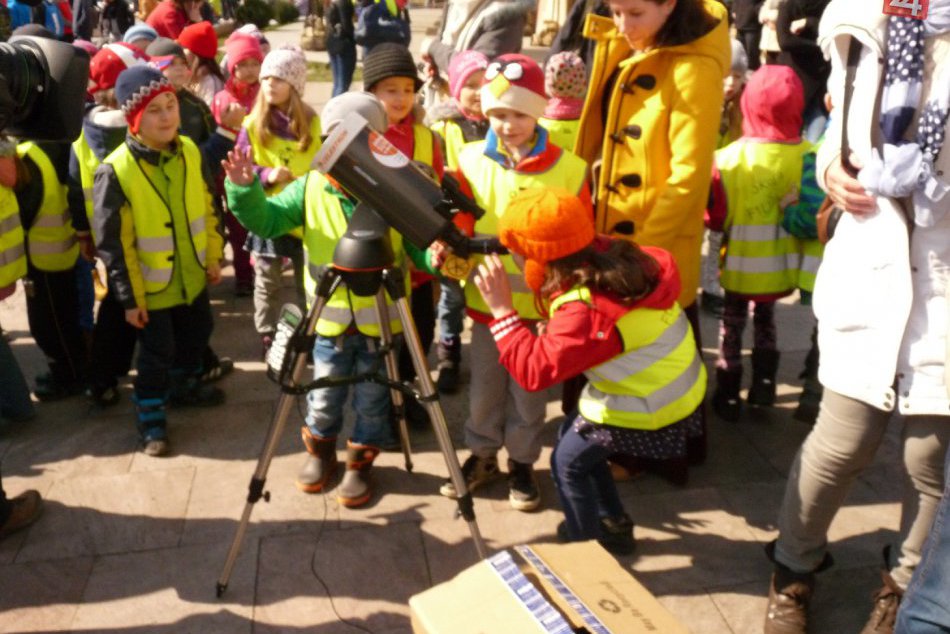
{"points": [[392, 370], [430, 399], [285, 404]]}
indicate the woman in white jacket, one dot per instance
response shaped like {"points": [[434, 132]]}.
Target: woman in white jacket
{"points": [[882, 299]]}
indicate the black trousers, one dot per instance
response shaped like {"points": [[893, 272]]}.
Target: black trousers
{"points": [[113, 344], [173, 338], [749, 38], [52, 306]]}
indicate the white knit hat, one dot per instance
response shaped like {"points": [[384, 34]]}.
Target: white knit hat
{"points": [[287, 63]]}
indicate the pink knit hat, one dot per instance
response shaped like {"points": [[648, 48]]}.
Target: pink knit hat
{"points": [[241, 46], [565, 81], [463, 66]]}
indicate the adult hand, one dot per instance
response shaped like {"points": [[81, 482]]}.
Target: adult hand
{"points": [[213, 273], [845, 191], [238, 167], [137, 316], [87, 248], [233, 116], [280, 175], [492, 283]]}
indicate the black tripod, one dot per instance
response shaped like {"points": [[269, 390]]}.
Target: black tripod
{"points": [[363, 260]]}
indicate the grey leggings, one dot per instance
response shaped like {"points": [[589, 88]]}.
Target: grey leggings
{"points": [[843, 442]]}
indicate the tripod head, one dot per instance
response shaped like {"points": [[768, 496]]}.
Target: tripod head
{"points": [[370, 168]]}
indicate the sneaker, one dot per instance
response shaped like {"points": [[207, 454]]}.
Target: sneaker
{"points": [[523, 493], [197, 395], [476, 471], [27, 508], [222, 367]]}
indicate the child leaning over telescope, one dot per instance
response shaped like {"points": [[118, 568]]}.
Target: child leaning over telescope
{"points": [[348, 330]]}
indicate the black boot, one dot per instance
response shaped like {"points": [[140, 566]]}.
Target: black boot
{"points": [[725, 400], [810, 398], [764, 368], [449, 353]]}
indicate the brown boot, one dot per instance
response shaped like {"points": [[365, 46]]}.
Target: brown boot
{"points": [[789, 595], [321, 462], [886, 602], [355, 489], [25, 509]]}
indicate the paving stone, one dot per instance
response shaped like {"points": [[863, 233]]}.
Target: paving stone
{"points": [[42, 596], [100, 515]]}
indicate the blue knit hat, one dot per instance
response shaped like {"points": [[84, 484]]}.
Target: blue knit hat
{"points": [[136, 87], [140, 31]]}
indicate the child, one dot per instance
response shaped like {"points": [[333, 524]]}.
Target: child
{"points": [[752, 175], [565, 81], [515, 155], [244, 71], [612, 314], [282, 134], [459, 122], [730, 129], [157, 232], [140, 36], [252, 30], [390, 74], [348, 330], [201, 45]]}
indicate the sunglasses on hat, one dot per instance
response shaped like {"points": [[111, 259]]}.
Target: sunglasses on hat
{"points": [[513, 71]]}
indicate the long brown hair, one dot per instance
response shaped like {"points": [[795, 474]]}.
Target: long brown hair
{"points": [[687, 22], [622, 270], [300, 114]]}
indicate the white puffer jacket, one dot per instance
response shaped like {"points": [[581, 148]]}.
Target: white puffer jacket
{"points": [[882, 295]]}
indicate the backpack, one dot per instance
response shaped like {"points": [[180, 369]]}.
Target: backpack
{"points": [[22, 13], [377, 25]]}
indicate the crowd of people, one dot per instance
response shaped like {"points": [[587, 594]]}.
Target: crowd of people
{"points": [[798, 140]]}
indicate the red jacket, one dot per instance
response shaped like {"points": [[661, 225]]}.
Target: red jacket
{"points": [[578, 336], [168, 20]]}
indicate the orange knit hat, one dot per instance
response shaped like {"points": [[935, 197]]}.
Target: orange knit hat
{"points": [[543, 225]]}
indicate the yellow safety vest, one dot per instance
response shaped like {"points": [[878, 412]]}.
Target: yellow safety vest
{"points": [[284, 152], [656, 381], [152, 218], [493, 186], [561, 132], [811, 252], [12, 251], [423, 141], [87, 161], [51, 240], [761, 257], [454, 140], [325, 224]]}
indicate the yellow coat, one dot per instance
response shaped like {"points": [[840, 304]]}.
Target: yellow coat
{"points": [[657, 149]]}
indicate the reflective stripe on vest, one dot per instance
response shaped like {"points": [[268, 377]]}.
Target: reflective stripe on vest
{"points": [[152, 216], [51, 240], [811, 254], [761, 257], [493, 186], [87, 161], [284, 152], [12, 250], [326, 224], [656, 381]]}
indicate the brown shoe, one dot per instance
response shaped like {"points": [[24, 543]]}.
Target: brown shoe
{"points": [[886, 602], [27, 507], [789, 595]]}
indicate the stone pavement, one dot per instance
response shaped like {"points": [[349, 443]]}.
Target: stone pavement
{"points": [[134, 544]]}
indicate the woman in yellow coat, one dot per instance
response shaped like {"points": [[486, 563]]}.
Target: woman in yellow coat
{"points": [[650, 122], [651, 117]]}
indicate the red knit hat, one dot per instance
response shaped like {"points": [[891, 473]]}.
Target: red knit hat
{"points": [[545, 224], [112, 59], [514, 81], [200, 39], [241, 46]]}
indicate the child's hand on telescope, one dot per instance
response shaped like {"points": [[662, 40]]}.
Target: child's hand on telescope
{"points": [[238, 167], [492, 283]]}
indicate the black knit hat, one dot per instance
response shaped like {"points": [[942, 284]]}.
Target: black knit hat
{"points": [[389, 60]]}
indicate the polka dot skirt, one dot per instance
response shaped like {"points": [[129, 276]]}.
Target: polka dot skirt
{"points": [[661, 444]]}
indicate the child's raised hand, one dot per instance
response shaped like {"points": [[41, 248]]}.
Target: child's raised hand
{"points": [[238, 167], [492, 282]]}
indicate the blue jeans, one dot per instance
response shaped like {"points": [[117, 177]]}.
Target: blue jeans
{"points": [[584, 484], [342, 66], [924, 608], [450, 309], [345, 356]]}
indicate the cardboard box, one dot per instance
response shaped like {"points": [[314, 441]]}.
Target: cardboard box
{"points": [[543, 589]]}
